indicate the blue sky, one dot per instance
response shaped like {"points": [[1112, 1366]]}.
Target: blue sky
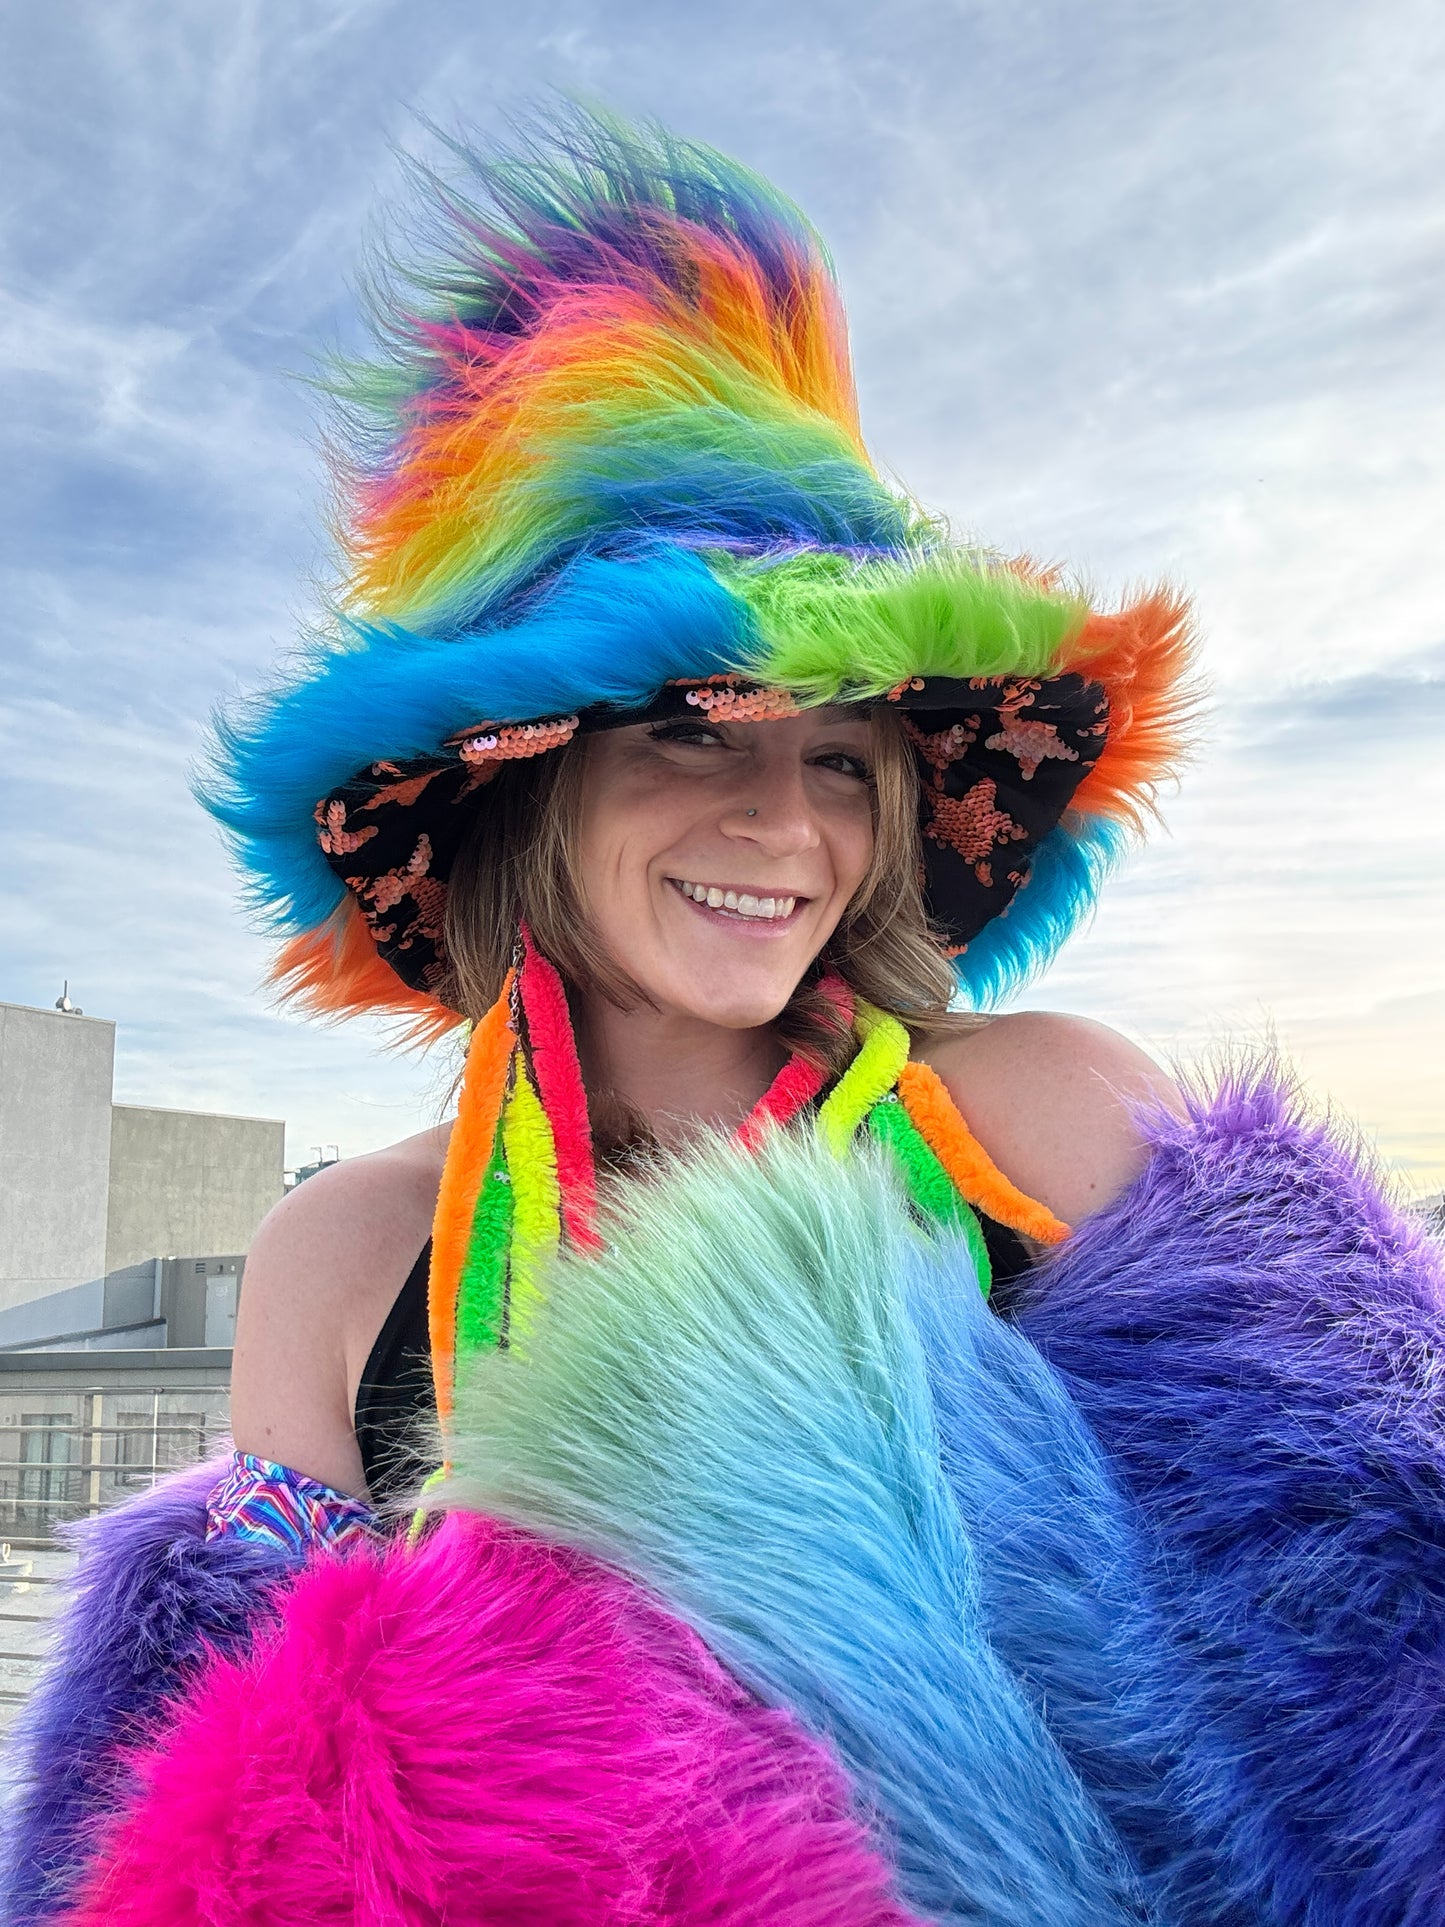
{"points": [[1150, 289]]}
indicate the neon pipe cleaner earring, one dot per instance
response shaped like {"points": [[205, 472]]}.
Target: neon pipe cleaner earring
{"points": [[482, 1300], [875, 1070], [934, 1195], [536, 1198], [798, 1082], [552, 1047]]}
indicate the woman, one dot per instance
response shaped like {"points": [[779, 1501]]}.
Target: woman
{"points": [[769, 1576], [676, 1000]]}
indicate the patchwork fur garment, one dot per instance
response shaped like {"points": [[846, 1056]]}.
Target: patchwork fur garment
{"points": [[786, 1584]]}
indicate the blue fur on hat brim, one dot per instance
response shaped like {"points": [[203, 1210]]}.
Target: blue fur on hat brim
{"points": [[610, 632]]}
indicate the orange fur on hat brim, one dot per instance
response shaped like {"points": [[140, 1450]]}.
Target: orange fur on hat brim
{"points": [[337, 971], [1142, 655]]}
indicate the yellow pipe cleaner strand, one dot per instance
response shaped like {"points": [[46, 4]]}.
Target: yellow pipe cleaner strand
{"points": [[874, 1071], [536, 1198]]}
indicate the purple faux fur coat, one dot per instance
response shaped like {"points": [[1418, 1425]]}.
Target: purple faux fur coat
{"points": [[152, 1600]]}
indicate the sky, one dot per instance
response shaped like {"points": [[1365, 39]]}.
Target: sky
{"points": [[1152, 290]]}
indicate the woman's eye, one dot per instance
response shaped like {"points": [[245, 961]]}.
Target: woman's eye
{"points": [[704, 734], [846, 764]]}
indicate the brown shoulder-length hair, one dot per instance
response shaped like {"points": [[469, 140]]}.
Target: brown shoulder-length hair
{"points": [[518, 861]]}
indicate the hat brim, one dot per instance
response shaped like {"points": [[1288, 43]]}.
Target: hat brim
{"points": [[1040, 727]]}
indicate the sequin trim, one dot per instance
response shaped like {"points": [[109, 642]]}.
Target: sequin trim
{"points": [[504, 742], [730, 699]]}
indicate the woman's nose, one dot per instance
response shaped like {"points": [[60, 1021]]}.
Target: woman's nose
{"points": [[773, 810]]}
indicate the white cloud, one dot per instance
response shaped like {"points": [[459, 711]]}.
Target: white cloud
{"points": [[1297, 896]]}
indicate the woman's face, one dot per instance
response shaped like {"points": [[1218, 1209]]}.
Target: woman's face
{"points": [[717, 858]]}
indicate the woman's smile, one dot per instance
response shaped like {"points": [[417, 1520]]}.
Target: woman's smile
{"points": [[773, 910]]}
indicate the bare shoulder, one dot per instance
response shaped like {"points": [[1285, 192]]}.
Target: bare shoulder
{"points": [[1052, 1099], [321, 1275]]}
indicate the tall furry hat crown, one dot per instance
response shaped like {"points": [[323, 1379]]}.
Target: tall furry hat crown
{"points": [[607, 464]]}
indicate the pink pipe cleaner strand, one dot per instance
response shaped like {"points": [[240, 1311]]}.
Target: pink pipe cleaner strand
{"points": [[560, 1086], [798, 1082]]}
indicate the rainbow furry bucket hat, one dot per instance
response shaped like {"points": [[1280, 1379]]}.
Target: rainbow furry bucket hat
{"points": [[605, 467]]}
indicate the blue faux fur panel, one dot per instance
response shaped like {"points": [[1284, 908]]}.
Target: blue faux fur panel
{"points": [[1258, 1339], [1061, 1575], [150, 1598]]}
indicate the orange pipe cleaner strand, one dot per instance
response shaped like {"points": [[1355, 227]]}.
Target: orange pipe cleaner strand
{"points": [[973, 1171], [479, 1107]]}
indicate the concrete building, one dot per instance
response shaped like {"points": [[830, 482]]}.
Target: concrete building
{"points": [[55, 1088], [80, 1430], [187, 1181], [107, 1210]]}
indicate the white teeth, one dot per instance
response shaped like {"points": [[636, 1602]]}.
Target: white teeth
{"points": [[742, 903]]}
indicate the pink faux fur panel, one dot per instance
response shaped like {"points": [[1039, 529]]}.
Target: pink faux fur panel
{"points": [[483, 1731]]}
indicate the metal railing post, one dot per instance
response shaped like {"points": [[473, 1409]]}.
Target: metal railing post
{"points": [[93, 1449]]}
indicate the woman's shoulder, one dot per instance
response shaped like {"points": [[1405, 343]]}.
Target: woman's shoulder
{"points": [[355, 1218], [321, 1275], [1054, 1099], [356, 1196]]}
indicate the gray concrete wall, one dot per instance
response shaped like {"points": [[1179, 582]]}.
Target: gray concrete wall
{"points": [[183, 1182], [55, 1136]]}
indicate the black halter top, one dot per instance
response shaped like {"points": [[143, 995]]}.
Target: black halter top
{"points": [[396, 1399]]}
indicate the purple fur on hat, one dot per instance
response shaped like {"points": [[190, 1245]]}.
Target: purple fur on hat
{"points": [[1258, 1338], [151, 1598]]}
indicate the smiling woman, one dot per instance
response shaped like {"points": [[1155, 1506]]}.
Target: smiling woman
{"points": [[800, 835], [789, 1452], [689, 829]]}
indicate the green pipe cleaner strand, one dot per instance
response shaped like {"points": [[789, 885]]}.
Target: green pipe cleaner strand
{"points": [[481, 1307], [929, 1186]]}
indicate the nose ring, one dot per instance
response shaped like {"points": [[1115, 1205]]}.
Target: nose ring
{"points": [[752, 812]]}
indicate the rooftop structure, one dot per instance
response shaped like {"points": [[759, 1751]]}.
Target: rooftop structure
{"points": [[103, 1205]]}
